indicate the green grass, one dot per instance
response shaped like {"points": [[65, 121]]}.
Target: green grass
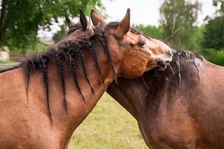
{"points": [[8, 62], [109, 126]]}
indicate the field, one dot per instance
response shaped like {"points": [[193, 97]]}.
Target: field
{"points": [[109, 126]]}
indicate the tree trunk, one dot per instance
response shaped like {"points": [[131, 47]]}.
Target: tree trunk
{"points": [[2, 15]]}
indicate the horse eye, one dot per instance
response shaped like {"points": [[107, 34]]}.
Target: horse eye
{"points": [[142, 43]]}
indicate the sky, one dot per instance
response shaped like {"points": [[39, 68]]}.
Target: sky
{"points": [[144, 12]]}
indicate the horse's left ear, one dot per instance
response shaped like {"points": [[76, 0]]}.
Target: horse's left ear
{"points": [[97, 19], [124, 25], [69, 22], [84, 22]]}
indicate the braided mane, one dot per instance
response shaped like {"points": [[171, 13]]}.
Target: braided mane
{"points": [[66, 51]]}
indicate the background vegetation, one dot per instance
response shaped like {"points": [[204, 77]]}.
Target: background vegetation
{"points": [[21, 20]]}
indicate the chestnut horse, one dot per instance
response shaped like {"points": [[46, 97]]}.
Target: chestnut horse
{"points": [[179, 108], [45, 98]]}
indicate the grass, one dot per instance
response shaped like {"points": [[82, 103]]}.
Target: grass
{"points": [[8, 62], [109, 126]]}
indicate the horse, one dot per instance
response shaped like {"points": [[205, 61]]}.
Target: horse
{"points": [[181, 107], [46, 97]]}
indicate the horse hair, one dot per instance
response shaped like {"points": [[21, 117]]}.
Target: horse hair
{"points": [[69, 51], [185, 55]]}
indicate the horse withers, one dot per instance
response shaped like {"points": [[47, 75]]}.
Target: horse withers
{"points": [[181, 107], [45, 98]]}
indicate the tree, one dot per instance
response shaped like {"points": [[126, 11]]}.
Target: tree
{"points": [[152, 31], [214, 34], [59, 34], [178, 20], [21, 19], [214, 29], [221, 2]]}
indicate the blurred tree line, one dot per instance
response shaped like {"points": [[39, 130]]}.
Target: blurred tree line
{"points": [[20, 20], [178, 26], [179, 29]]}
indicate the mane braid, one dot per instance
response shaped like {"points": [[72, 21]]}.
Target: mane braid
{"points": [[44, 70], [82, 61], [70, 58], [93, 53], [101, 37], [59, 62]]}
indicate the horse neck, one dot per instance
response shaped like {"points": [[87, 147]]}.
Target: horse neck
{"points": [[69, 110], [148, 91]]}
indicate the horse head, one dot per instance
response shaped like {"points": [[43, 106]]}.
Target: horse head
{"points": [[132, 52]]}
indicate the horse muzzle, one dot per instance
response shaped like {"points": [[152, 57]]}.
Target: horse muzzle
{"points": [[162, 63]]}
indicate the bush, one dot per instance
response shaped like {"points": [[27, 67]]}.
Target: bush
{"points": [[214, 56]]}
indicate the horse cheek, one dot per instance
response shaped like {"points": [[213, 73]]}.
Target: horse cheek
{"points": [[134, 67]]}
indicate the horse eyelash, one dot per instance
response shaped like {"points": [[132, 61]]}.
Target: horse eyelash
{"points": [[142, 43]]}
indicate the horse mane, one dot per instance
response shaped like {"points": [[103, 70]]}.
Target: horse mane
{"points": [[189, 56], [181, 60], [186, 55], [73, 28], [69, 51]]}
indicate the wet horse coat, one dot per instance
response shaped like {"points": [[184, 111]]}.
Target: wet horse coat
{"points": [[45, 98], [181, 107]]}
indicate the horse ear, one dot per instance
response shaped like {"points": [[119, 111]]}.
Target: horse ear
{"points": [[97, 19], [124, 25], [69, 22], [84, 22]]}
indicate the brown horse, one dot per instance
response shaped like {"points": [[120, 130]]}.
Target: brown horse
{"points": [[45, 98], [179, 108]]}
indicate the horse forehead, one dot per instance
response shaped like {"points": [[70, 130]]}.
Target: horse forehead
{"points": [[157, 44], [134, 37]]}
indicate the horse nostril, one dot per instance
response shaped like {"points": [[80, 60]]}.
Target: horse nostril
{"points": [[161, 63]]}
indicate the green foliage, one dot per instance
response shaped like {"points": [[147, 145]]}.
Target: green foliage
{"points": [[221, 2], [59, 34], [216, 57], [152, 31], [178, 20], [214, 34], [214, 29], [21, 19]]}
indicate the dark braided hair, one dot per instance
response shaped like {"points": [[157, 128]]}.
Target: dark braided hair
{"points": [[82, 61], [93, 53], [89, 44], [65, 51], [44, 70], [69, 56], [59, 62]]}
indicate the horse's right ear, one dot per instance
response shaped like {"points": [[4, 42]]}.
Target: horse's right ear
{"points": [[124, 25], [97, 19], [83, 20], [69, 22]]}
